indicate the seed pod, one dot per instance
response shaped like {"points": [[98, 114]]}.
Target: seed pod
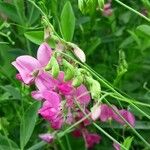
{"points": [[77, 81], [69, 70]]}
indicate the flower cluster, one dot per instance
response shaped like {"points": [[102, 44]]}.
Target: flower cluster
{"points": [[61, 86]]}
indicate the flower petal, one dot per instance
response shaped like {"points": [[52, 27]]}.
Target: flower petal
{"points": [[47, 137], [83, 95], [53, 98], [128, 116], [45, 82], [44, 54], [106, 112], [37, 95]]}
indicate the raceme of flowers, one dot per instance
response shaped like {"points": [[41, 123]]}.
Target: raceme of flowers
{"points": [[62, 86]]}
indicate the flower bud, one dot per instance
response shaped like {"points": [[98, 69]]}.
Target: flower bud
{"points": [[80, 54], [95, 88], [69, 70], [50, 64], [55, 69], [47, 137], [95, 112], [77, 81]]}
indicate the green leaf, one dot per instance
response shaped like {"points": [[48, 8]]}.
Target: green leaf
{"points": [[7, 144], [12, 91], [10, 11], [37, 146], [144, 29], [127, 143], [101, 3], [19, 4], [67, 22], [33, 14], [35, 36], [28, 123], [93, 45]]}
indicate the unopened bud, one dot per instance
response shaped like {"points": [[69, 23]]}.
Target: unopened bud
{"points": [[95, 88], [55, 70], [50, 64], [95, 112], [69, 70], [77, 81], [79, 54]]}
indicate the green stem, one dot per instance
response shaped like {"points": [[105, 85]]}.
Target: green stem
{"points": [[74, 125], [28, 47], [61, 145], [133, 10], [68, 143]]}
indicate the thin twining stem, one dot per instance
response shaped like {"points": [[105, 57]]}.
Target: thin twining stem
{"points": [[133, 10], [133, 101]]}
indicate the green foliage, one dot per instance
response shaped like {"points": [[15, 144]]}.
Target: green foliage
{"points": [[28, 123], [116, 46], [127, 143], [67, 22]]}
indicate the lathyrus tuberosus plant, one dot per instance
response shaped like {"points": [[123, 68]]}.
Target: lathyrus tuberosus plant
{"points": [[70, 92], [66, 91]]}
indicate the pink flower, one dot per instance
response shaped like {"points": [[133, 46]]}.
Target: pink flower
{"points": [[128, 116], [91, 139], [45, 82], [116, 146], [106, 113], [47, 137], [51, 109], [82, 95], [107, 10], [65, 88], [29, 67]]}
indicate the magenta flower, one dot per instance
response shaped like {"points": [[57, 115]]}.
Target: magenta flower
{"points": [[106, 113], [45, 82], [128, 116], [91, 139], [77, 133], [47, 137], [29, 67], [82, 95], [51, 109]]}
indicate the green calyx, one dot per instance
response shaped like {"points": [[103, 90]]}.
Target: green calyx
{"points": [[53, 66]]}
